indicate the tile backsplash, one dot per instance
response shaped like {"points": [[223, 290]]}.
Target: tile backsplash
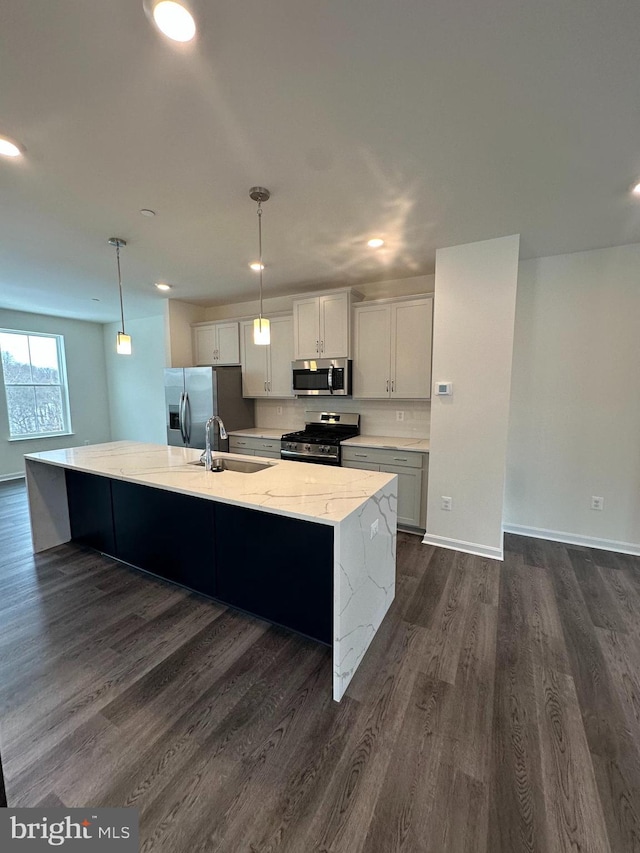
{"points": [[377, 417]]}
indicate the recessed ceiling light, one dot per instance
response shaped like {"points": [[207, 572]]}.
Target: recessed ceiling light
{"points": [[146, 211], [162, 286], [256, 266], [9, 148], [174, 20], [635, 190], [375, 242]]}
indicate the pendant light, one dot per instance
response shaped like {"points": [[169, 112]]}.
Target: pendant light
{"points": [[123, 341], [261, 330]]}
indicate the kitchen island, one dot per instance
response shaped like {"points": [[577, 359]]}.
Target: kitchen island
{"points": [[310, 547]]}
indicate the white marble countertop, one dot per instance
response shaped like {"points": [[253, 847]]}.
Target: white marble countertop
{"points": [[320, 493], [259, 432], [389, 442]]}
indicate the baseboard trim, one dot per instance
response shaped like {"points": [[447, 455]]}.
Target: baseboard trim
{"points": [[17, 476], [465, 547], [575, 539]]}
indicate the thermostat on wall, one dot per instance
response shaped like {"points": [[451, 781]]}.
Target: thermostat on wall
{"points": [[444, 389]]}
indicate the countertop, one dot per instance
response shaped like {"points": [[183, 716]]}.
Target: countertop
{"points": [[382, 442], [388, 442], [260, 432], [320, 493]]}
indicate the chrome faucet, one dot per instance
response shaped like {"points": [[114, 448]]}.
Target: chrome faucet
{"points": [[206, 456]]}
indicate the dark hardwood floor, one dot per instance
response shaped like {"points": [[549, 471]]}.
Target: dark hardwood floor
{"points": [[497, 711]]}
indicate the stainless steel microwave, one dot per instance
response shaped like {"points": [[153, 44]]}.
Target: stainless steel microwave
{"points": [[322, 377]]}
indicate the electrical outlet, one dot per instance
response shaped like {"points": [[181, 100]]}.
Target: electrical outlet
{"points": [[399, 416], [597, 503], [279, 410], [445, 503], [374, 529]]}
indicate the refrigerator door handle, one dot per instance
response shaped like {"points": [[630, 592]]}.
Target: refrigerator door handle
{"points": [[187, 417], [181, 418]]}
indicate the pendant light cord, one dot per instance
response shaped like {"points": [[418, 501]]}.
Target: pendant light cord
{"points": [[260, 253], [120, 285]]}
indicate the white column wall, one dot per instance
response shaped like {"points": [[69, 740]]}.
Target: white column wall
{"points": [[475, 297]]}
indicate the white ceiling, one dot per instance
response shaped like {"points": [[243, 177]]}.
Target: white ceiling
{"points": [[429, 122]]}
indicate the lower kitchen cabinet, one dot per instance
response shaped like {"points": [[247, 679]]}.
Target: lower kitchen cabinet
{"points": [[250, 446], [166, 533], [277, 567], [90, 512], [411, 469]]}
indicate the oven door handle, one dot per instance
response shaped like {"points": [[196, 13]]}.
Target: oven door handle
{"points": [[330, 379]]}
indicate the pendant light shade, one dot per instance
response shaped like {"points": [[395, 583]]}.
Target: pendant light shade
{"points": [[123, 344], [123, 341], [261, 327], [261, 331]]}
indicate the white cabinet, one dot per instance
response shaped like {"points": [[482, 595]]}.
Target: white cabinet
{"points": [[322, 326], [411, 469], [216, 343], [250, 446], [266, 370], [392, 349]]}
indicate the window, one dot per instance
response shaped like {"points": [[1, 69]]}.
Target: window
{"points": [[35, 384]]}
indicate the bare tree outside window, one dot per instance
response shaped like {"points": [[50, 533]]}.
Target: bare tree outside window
{"points": [[34, 382]]}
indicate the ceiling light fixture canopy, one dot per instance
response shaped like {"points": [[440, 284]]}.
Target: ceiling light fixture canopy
{"points": [[162, 286], [261, 329], [375, 242], [123, 341], [174, 20], [256, 266]]}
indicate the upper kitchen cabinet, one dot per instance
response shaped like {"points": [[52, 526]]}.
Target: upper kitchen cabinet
{"points": [[266, 370], [392, 349], [322, 326], [216, 343]]}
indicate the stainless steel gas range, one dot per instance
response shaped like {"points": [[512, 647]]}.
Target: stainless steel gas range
{"points": [[320, 439]]}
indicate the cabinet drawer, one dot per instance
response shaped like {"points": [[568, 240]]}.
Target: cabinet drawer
{"points": [[407, 459], [267, 444], [255, 446], [240, 448], [363, 466]]}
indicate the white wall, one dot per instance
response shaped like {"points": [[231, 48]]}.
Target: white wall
{"points": [[575, 411], [177, 332], [136, 381], [87, 380], [410, 286], [472, 348]]}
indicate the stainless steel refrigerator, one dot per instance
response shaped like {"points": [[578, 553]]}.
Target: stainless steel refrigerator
{"points": [[194, 394]]}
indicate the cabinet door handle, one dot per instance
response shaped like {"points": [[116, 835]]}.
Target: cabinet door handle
{"points": [[265, 386], [321, 346], [317, 346], [269, 386], [387, 386], [400, 459], [362, 455], [393, 385]]}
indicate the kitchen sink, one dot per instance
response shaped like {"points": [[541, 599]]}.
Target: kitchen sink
{"points": [[242, 466]]}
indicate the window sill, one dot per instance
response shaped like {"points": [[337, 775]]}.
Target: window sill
{"points": [[40, 437]]}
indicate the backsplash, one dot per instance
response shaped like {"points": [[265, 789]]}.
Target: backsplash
{"points": [[377, 417]]}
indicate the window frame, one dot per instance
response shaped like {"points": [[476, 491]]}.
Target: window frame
{"points": [[62, 384]]}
